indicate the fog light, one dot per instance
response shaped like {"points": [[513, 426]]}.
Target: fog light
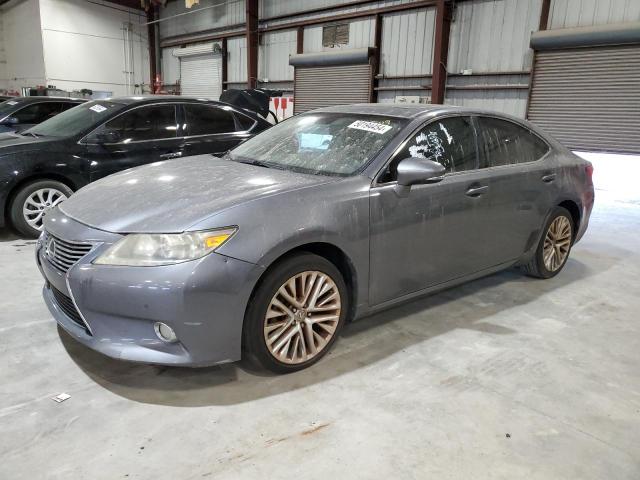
{"points": [[165, 332]]}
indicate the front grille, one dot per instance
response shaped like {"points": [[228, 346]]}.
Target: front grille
{"points": [[63, 254], [68, 308]]}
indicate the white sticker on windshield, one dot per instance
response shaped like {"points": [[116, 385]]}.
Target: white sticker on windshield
{"points": [[374, 127], [98, 108], [11, 102]]}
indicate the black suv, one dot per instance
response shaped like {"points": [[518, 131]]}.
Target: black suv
{"points": [[42, 166], [20, 113]]}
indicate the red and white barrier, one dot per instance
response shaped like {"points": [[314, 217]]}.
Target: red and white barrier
{"points": [[282, 107]]}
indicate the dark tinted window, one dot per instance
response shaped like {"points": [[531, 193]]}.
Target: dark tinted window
{"points": [[245, 122], [68, 105], [207, 120], [450, 142], [145, 123], [504, 143], [38, 112]]}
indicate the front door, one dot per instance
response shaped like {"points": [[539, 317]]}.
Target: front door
{"points": [[435, 232], [211, 129], [139, 136]]}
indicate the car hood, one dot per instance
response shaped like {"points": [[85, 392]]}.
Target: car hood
{"points": [[171, 196], [11, 142]]}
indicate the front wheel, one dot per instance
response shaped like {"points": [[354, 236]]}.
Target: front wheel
{"points": [[296, 313], [33, 201], [555, 245]]}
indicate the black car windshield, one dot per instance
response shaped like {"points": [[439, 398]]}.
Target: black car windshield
{"points": [[320, 143], [76, 120]]}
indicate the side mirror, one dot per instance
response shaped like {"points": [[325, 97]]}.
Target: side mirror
{"points": [[415, 170], [10, 121], [110, 136]]}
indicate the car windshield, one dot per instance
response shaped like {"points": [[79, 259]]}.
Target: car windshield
{"points": [[320, 143], [76, 120]]}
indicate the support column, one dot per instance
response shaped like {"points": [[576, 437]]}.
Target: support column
{"points": [[300, 40], [252, 43], [153, 47], [376, 57], [223, 44], [441, 51]]}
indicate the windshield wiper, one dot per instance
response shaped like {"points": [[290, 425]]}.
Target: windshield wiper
{"points": [[34, 135]]}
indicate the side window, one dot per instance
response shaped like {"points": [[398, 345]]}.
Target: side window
{"points": [[145, 123], [68, 105], [450, 141], [38, 112], [207, 120], [505, 143], [245, 122]]}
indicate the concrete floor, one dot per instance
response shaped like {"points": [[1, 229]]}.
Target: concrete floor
{"points": [[506, 377]]}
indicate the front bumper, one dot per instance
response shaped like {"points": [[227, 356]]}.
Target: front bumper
{"points": [[202, 300]]}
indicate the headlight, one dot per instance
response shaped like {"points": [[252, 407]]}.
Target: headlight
{"points": [[147, 250]]}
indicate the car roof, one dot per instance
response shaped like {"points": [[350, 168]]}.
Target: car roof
{"points": [[42, 98], [141, 99], [403, 110]]}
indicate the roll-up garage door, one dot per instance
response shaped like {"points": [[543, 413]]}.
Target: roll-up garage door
{"points": [[336, 78], [588, 97], [200, 71]]}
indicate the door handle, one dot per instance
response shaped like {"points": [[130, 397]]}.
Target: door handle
{"points": [[549, 178], [476, 191], [171, 155]]}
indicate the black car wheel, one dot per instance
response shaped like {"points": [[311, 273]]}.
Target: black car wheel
{"points": [[33, 201], [296, 313], [554, 247]]}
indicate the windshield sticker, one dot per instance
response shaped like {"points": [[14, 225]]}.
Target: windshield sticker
{"points": [[11, 102], [98, 108], [374, 127]]}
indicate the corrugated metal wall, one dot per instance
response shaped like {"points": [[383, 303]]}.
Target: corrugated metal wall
{"points": [[487, 36], [220, 15], [361, 34], [492, 36], [584, 13], [273, 55], [237, 61]]}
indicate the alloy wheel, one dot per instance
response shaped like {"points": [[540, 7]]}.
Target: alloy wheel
{"points": [[38, 203], [302, 317], [557, 243]]}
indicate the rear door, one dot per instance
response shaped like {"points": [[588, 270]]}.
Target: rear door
{"points": [[522, 185], [136, 137], [213, 129]]}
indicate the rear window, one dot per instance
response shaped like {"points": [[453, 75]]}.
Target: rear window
{"points": [[505, 143], [208, 120]]}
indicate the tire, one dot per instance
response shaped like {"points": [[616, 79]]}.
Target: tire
{"points": [[257, 327], [49, 192], [537, 266]]}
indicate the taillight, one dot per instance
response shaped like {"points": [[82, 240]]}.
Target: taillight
{"points": [[589, 171]]}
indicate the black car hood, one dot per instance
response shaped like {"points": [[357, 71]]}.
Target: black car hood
{"points": [[13, 142], [171, 196]]}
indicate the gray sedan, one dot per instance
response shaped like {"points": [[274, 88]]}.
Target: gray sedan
{"points": [[324, 218]]}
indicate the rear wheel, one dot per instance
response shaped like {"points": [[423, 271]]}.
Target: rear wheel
{"points": [[296, 313], [554, 247], [33, 201]]}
